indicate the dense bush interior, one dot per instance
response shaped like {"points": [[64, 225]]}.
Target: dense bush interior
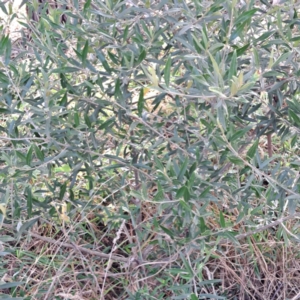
{"points": [[149, 150]]}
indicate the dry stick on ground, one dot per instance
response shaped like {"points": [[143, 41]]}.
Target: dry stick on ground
{"points": [[128, 259], [262, 228], [78, 248]]}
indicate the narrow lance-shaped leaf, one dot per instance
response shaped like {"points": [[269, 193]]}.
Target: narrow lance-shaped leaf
{"points": [[180, 192], [167, 231], [217, 70], [64, 100], [118, 92], [3, 8], [29, 156], [62, 191], [245, 16], [87, 5], [39, 153], [141, 57], [221, 117], [141, 102], [27, 86], [240, 133], [29, 201], [294, 117], [222, 220], [125, 33], [183, 169], [7, 52], [103, 60], [186, 194], [85, 52], [107, 123], [233, 66], [167, 71], [10, 285], [26, 226], [87, 121]]}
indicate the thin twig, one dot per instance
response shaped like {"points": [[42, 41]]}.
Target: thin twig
{"points": [[163, 261], [79, 248], [262, 228]]}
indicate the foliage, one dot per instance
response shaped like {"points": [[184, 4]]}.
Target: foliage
{"points": [[162, 134]]}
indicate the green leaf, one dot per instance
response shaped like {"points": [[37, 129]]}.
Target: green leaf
{"points": [[141, 57], [159, 196], [26, 226], [267, 161], [240, 133], [230, 235], [118, 92], [40, 154], [193, 297], [87, 5], [252, 150], [167, 71], [113, 167], [107, 123], [65, 70], [216, 70], [205, 192], [295, 38], [188, 268], [9, 285], [125, 33], [113, 57], [205, 38], [141, 102], [7, 52], [158, 163], [87, 120], [256, 58], [103, 60], [294, 118], [233, 66], [198, 46], [202, 225], [3, 78], [245, 16], [221, 117], [29, 201], [180, 192], [222, 220], [85, 53], [282, 58], [186, 194], [183, 169], [264, 36], [62, 191], [29, 156], [235, 160], [3, 7], [21, 156], [294, 140], [167, 231], [242, 50], [76, 119], [192, 168], [64, 100]]}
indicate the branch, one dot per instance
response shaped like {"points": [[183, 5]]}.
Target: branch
{"points": [[80, 248]]}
